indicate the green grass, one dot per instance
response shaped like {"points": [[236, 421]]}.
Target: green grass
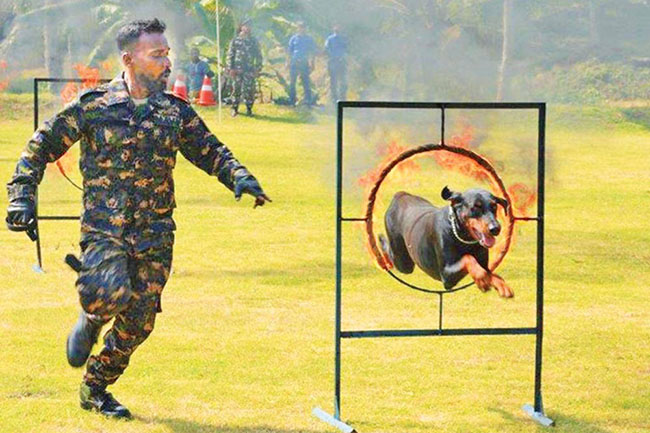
{"points": [[245, 340]]}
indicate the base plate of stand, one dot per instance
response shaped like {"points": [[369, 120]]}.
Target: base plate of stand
{"points": [[538, 417], [324, 416]]}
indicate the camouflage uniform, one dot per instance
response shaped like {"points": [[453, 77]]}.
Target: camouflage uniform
{"points": [[244, 57], [127, 157]]}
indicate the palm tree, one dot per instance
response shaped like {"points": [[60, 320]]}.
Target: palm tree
{"points": [[83, 29]]}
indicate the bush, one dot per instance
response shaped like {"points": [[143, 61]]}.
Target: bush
{"points": [[589, 82]]}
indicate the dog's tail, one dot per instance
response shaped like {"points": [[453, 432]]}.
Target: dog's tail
{"points": [[386, 252]]}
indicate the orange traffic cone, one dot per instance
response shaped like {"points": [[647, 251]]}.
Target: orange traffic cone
{"points": [[206, 96], [180, 89]]}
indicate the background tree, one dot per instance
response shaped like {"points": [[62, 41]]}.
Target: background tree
{"points": [[399, 49]]}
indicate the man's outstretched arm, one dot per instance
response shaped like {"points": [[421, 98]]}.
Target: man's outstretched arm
{"points": [[205, 151], [47, 145]]}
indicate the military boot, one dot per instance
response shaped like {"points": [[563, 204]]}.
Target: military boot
{"points": [[96, 398], [82, 339]]}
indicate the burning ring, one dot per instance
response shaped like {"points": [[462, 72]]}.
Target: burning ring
{"points": [[372, 242]]}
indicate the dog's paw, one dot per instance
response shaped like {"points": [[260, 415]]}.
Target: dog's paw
{"points": [[482, 279], [501, 287], [480, 275]]}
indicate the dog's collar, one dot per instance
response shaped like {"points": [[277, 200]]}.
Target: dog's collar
{"points": [[454, 229]]}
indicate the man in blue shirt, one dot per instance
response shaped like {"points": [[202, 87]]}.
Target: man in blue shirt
{"points": [[336, 47], [196, 71], [301, 57]]}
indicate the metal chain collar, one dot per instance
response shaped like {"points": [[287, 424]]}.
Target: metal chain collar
{"points": [[452, 219]]}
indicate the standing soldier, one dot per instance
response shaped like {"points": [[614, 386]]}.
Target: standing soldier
{"points": [[130, 131], [244, 64]]}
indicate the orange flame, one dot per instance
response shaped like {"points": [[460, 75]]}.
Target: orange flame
{"points": [[4, 83], [522, 196], [390, 152], [69, 92], [461, 164], [90, 76]]}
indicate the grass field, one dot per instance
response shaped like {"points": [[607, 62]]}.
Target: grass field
{"points": [[245, 342]]}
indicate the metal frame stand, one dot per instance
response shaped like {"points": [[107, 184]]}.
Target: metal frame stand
{"points": [[39, 266], [536, 411]]}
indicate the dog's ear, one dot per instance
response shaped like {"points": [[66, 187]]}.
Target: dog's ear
{"points": [[504, 203], [450, 195]]}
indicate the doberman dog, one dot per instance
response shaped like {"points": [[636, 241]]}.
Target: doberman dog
{"points": [[446, 243]]}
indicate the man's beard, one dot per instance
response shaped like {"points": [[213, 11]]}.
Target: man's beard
{"points": [[154, 85]]}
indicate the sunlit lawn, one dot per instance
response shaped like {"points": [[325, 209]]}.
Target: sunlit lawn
{"points": [[245, 342]]}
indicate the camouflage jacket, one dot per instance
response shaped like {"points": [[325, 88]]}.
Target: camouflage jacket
{"points": [[244, 54], [127, 157]]}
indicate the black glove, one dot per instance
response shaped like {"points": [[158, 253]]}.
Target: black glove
{"points": [[21, 216], [249, 185]]}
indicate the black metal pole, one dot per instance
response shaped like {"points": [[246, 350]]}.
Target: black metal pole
{"points": [[377, 333], [59, 218], [440, 312], [36, 80], [438, 105], [339, 212], [38, 232], [442, 125], [541, 137]]}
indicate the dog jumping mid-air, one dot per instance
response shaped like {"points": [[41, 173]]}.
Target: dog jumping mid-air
{"points": [[446, 243]]}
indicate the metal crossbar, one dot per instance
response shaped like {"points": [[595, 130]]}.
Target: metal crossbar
{"points": [[536, 411]]}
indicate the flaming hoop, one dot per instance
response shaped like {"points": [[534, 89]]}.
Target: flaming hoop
{"points": [[484, 163]]}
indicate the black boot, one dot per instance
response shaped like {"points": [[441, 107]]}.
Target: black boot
{"points": [[81, 340], [96, 398], [249, 111]]}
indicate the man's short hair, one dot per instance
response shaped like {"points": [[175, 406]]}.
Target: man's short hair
{"points": [[130, 32]]}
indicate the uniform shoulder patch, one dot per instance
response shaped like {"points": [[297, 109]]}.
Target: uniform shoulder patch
{"points": [[86, 94], [175, 97]]}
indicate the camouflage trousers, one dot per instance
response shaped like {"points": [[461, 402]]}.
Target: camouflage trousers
{"points": [[120, 282], [244, 83]]}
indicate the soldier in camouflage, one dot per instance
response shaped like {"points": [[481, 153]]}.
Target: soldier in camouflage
{"points": [[130, 131], [244, 65]]}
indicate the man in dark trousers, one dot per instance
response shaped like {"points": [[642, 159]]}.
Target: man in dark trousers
{"points": [[130, 131], [244, 65], [336, 49], [301, 61]]}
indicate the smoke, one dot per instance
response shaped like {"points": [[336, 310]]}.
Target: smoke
{"points": [[49, 37], [408, 50], [399, 49], [420, 50], [452, 49]]}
